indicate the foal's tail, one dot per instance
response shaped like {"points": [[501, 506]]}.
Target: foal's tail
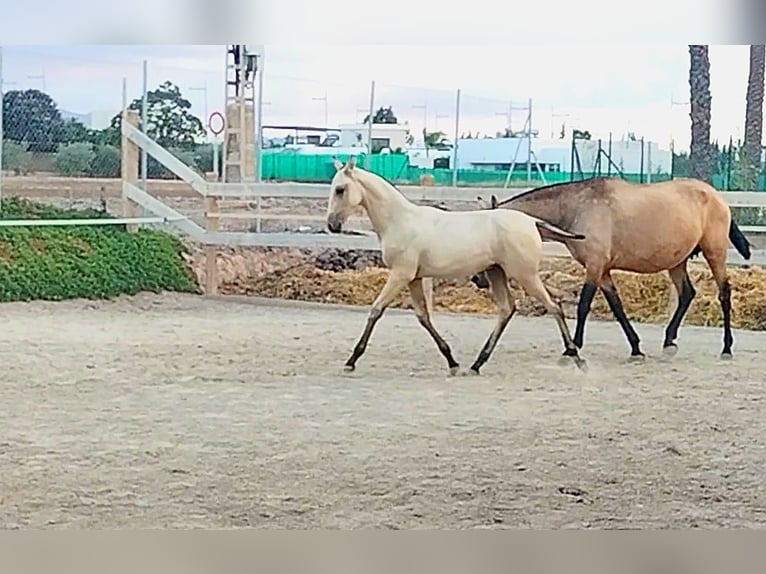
{"points": [[739, 240], [550, 232]]}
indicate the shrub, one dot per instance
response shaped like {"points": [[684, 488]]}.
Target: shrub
{"points": [[15, 158], [74, 159], [85, 261], [106, 161]]}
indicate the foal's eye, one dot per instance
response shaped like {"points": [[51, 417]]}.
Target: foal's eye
{"points": [[340, 189]]}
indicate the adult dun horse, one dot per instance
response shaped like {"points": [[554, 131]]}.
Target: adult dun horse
{"points": [[643, 228], [420, 242]]}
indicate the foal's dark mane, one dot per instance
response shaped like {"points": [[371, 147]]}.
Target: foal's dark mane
{"points": [[553, 189]]}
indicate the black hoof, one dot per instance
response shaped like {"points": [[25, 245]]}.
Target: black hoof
{"points": [[637, 357], [569, 353]]}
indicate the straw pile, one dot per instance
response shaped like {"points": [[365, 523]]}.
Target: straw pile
{"points": [[293, 274]]}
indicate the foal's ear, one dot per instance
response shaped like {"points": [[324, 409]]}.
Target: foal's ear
{"points": [[337, 163], [493, 201], [350, 164]]}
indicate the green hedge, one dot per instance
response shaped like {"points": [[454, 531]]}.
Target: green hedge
{"points": [[85, 261]]}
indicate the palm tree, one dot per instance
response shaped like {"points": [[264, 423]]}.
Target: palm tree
{"points": [[754, 118], [700, 156]]}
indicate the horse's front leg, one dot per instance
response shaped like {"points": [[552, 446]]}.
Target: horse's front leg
{"points": [[397, 281]]}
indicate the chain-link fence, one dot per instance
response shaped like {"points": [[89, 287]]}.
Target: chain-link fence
{"points": [[62, 114], [61, 123]]}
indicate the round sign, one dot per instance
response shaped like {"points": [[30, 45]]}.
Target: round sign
{"points": [[210, 124]]}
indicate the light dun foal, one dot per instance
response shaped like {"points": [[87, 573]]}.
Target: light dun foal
{"points": [[420, 242]]}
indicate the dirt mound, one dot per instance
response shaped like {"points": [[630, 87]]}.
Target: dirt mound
{"points": [[345, 259], [356, 277]]}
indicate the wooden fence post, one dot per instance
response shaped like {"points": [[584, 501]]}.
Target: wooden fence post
{"points": [[129, 168], [211, 251]]}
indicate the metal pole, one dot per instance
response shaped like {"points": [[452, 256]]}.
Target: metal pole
{"points": [[609, 163], [457, 135], [124, 96], [144, 105], [649, 164], [672, 157], [259, 122], [2, 99], [572, 158], [529, 141], [216, 175], [368, 159]]}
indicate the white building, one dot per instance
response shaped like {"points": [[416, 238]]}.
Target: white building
{"points": [[392, 136], [556, 155]]}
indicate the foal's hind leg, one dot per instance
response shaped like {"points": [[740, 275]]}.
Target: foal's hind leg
{"points": [[420, 303], [506, 307], [534, 287], [686, 292]]}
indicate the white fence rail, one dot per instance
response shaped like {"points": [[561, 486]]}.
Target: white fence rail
{"points": [[257, 191], [217, 195]]}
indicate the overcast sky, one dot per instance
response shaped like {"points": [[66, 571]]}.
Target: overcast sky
{"points": [[600, 88]]}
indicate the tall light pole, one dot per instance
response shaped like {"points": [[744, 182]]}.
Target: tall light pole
{"points": [[674, 103], [203, 89], [555, 115], [508, 113], [424, 107], [323, 99], [40, 77]]}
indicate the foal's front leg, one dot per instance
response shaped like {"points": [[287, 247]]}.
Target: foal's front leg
{"points": [[395, 283], [422, 308]]}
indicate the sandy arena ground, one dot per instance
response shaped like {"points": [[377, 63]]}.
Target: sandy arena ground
{"points": [[179, 411]]}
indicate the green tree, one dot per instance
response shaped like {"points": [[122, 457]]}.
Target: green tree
{"points": [[169, 120], [73, 131], [382, 116], [435, 140], [75, 159], [701, 157], [752, 149], [31, 118]]}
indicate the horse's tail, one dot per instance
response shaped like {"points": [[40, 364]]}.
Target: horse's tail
{"points": [[550, 232], [739, 240]]}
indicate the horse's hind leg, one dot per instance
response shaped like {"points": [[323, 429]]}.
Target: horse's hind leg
{"points": [[609, 290], [534, 287], [716, 259], [421, 305], [506, 307], [686, 292]]}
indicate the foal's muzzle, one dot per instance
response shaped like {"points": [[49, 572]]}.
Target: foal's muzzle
{"points": [[334, 224]]}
